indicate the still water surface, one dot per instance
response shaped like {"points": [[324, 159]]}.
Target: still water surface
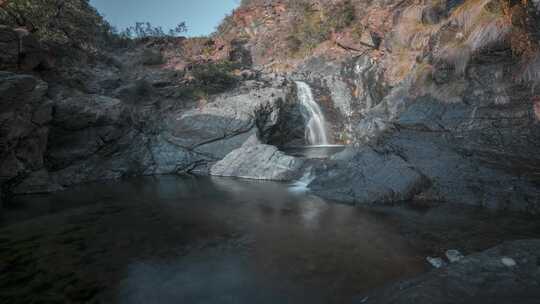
{"points": [[213, 240]]}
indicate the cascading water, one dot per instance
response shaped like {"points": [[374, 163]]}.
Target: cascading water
{"points": [[316, 124]]}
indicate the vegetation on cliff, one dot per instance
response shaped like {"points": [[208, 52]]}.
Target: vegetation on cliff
{"points": [[75, 23]]}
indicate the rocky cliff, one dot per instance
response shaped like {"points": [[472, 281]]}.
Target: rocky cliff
{"points": [[446, 89], [436, 99]]}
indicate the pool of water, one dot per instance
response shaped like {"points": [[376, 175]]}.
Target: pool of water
{"points": [[314, 152], [175, 239]]}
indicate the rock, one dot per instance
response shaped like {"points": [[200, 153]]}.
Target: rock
{"points": [[18, 90], [9, 46], [23, 125], [240, 53], [32, 54], [21, 50], [367, 176], [258, 161], [37, 182], [369, 39], [509, 262], [478, 278], [84, 125], [225, 123], [436, 262], [454, 256], [137, 92], [169, 158], [84, 111]]}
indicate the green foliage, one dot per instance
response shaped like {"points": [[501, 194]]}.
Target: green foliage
{"points": [[72, 22], [341, 16], [146, 29], [210, 78]]}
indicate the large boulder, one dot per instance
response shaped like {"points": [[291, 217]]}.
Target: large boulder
{"points": [[368, 176], [225, 122], [258, 161]]}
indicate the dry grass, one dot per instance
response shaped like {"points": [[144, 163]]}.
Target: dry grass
{"points": [[478, 25], [411, 32]]}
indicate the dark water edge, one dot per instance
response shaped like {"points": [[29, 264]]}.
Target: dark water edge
{"points": [[185, 239]]}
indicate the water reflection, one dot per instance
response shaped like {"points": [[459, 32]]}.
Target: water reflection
{"points": [[207, 240]]}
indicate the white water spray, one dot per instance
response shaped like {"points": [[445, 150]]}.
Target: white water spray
{"points": [[316, 125]]}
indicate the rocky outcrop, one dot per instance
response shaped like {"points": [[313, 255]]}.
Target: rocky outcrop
{"points": [[507, 273], [20, 50], [225, 122], [24, 116], [259, 161], [368, 176], [96, 137]]}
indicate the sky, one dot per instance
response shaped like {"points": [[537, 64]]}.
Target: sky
{"points": [[201, 16]]}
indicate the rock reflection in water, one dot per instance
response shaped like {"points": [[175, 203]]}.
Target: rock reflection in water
{"points": [[212, 240]]}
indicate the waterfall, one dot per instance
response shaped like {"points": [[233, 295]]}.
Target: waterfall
{"points": [[316, 125]]}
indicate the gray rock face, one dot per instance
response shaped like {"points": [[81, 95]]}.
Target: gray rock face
{"points": [[259, 161], [24, 115], [95, 137], [226, 122], [473, 136], [19, 49], [346, 91], [478, 278], [82, 126], [368, 176]]}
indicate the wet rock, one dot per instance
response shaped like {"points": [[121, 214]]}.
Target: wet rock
{"points": [[368, 176]]}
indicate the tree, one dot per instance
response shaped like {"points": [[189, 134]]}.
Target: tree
{"points": [[146, 29]]}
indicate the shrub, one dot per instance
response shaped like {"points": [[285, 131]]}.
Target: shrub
{"points": [[209, 78], [72, 22], [315, 25], [215, 77], [146, 30]]}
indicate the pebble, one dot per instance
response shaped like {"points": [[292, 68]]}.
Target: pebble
{"points": [[509, 262], [436, 262], [454, 256]]}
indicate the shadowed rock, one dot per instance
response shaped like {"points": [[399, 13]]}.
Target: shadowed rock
{"points": [[478, 278], [368, 176]]}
